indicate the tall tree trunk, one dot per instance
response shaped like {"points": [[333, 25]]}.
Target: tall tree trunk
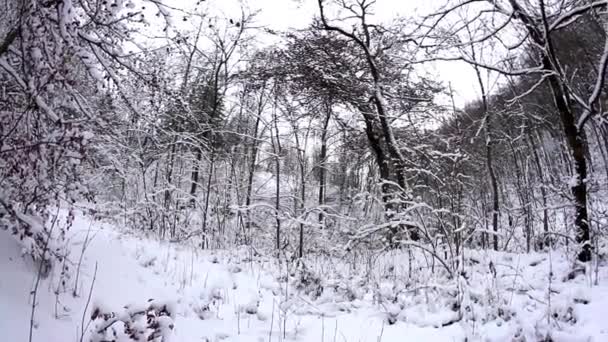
{"points": [[145, 189], [276, 146], [155, 182], [302, 203], [207, 196], [382, 161], [301, 153], [322, 162], [488, 151], [169, 180], [253, 158], [169, 174], [396, 157], [522, 196], [251, 171], [184, 92], [543, 191], [484, 210], [194, 178], [578, 147], [494, 185]]}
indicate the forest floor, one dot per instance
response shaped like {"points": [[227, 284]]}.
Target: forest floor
{"points": [[236, 296]]}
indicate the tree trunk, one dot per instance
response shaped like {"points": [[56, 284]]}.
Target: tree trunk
{"points": [[206, 207], [169, 180], [495, 203], [194, 178], [489, 159], [522, 196], [396, 158], [251, 171], [543, 192], [302, 165], [169, 175], [322, 163], [302, 204], [276, 145], [382, 161], [578, 147], [600, 146]]}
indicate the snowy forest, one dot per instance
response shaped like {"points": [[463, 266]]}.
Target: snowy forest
{"points": [[387, 171]]}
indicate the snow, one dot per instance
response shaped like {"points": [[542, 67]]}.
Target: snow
{"points": [[231, 296]]}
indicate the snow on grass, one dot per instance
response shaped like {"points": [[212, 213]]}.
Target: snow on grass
{"points": [[238, 296]]}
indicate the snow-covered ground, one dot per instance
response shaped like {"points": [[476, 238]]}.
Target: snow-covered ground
{"points": [[239, 296]]}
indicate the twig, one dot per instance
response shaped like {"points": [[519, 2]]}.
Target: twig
{"points": [[335, 330], [322, 327], [38, 276], [84, 247], [271, 322], [86, 307], [549, 289], [381, 332]]}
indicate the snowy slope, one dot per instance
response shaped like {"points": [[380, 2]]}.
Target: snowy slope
{"points": [[231, 296]]}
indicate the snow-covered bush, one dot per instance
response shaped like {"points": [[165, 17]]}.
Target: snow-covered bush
{"points": [[150, 322], [41, 236], [307, 282], [209, 302], [252, 306], [344, 289], [54, 57]]}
